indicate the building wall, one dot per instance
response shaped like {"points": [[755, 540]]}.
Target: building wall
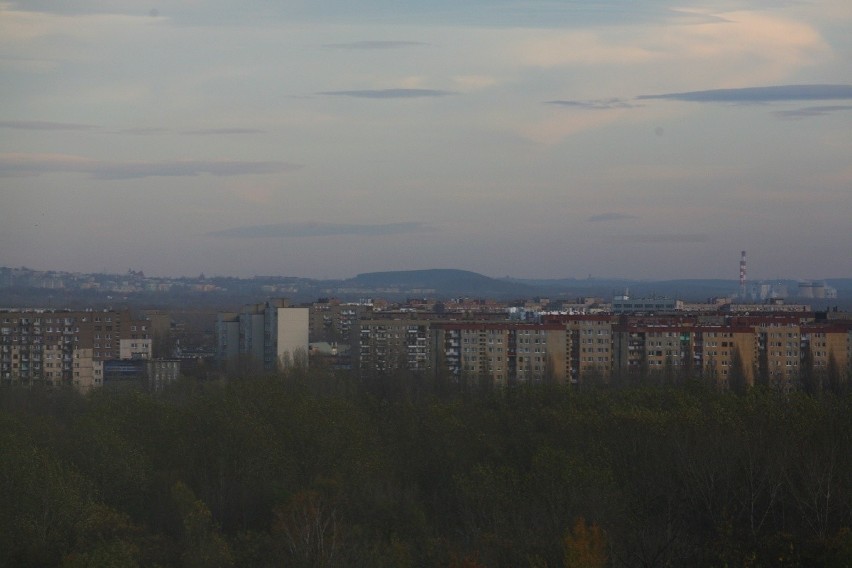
{"points": [[591, 341], [502, 352], [592, 344], [825, 343], [83, 372], [385, 346], [227, 339], [292, 325], [267, 335], [60, 347], [135, 348], [716, 349], [779, 354], [334, 321], [161, 373], [252, 339]]}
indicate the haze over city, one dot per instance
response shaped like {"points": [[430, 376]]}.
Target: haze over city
{"points": [[531, 139]]}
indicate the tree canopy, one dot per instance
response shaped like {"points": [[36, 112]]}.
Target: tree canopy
{"points": [[319, 469]]}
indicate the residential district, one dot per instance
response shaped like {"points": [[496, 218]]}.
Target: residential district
{"points": [[770, 342]]}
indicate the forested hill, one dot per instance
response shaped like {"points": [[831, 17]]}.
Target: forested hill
{"points": [[319, 470], [445, 282]]}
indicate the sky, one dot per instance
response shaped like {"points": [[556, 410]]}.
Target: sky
{"points": [[532, 139]]}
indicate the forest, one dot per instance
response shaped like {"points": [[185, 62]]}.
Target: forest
{"points": [[317, 468]]}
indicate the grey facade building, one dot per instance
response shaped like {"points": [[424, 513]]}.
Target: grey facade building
{"points": [[268, 336], [65, 347], [386, 345]]}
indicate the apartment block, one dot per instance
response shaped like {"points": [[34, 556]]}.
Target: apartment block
{"points": [[334, 321], [591, 338], [722, 351], [639, 349], [140, 374], [267, 336], [63, 347], [684, 346], [826, 347], [502, 352], [779, 342], [386, 345]]}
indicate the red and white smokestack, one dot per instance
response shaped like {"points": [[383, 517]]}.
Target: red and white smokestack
{"points": [[742, 274]]}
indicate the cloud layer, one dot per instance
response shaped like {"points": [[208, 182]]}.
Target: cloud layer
{"points": [[676, 238], [222, 131], [513, 127], [389, 93], [36, 164], [44, 125], [808, 112], [600, 104], [611, 217], [375, 44], [285, 230], [761, 94]]}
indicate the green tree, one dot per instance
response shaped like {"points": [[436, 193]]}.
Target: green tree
{"points": [[203, 545], [585, 546], [737, 379], [43, 504], [307, 528], [834, 376]]}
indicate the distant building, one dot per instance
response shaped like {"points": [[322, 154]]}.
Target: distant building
{"points": [[334, 321], [776, 305], [766, 290], [502, 352], [64, 347], [227, 339], [267, 336], [625, 304], [389, 344], [684, 347], [151, 375]]}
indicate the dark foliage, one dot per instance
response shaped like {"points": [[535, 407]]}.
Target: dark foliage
{"points": [[317, 469]]}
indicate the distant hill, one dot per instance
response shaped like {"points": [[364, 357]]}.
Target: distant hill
{"points": [[607, 287], [20, 287], [451, 282], [443, 281], [692, 289]]}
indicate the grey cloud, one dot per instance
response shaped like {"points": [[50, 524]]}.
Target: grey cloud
{"points": [[24, 164], [285, 230], [762, 94], [808, 112], [660, 239], [144, 131], [611, 217], [599, 104], [130, 170], [375, 44], [389, 93], [43, 125], [222, 131]]}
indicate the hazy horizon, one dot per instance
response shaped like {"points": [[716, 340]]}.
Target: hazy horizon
{"points": [[588, 277], [537, 140]]}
